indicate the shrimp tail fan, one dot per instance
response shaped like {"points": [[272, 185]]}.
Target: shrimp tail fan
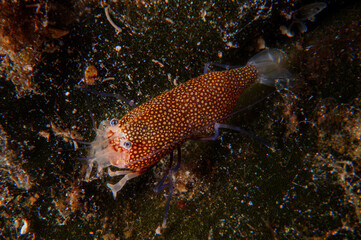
{"points": [[271, 70]]}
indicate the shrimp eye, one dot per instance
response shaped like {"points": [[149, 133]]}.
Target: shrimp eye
{"points": [[113, 122], [127, 144]]}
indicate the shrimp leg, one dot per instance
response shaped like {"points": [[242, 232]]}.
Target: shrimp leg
{"points": [[119, 185], [225, 66], [217, 126], [160, 186]]}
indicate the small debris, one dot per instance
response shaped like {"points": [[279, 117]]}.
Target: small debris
{"points": [[68, 135], [45, 134], [159, 230], [169, 20], [261, 43], [158, 62], [25, 228], [91, 75]]}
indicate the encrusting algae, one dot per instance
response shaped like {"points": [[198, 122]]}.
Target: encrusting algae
{"points": [[154, 129]]}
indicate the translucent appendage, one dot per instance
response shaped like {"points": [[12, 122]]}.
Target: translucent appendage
{"points": [[117, 173], [118, 186], [88, 171], [267, 60], [271, 72]]}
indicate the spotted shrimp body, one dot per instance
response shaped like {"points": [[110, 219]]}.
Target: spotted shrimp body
{"points": [[154, 129]]}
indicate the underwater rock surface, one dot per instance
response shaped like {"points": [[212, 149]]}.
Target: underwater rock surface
{"points": [[309, 188]]}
